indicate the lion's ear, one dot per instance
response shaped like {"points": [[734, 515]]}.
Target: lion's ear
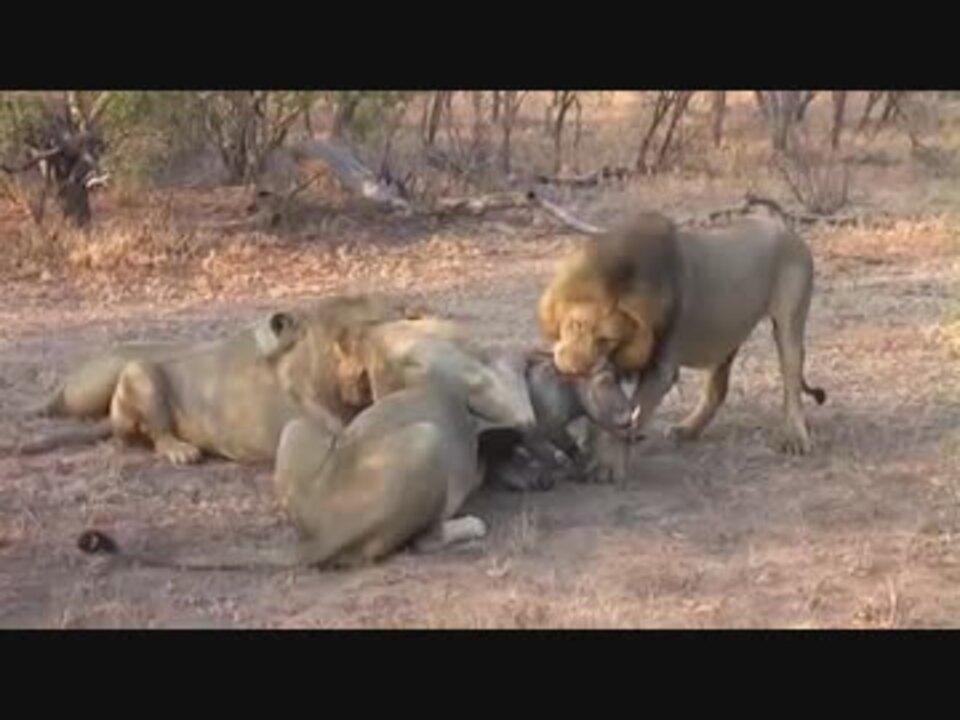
{"points": [[275, 333], [282, 324]]}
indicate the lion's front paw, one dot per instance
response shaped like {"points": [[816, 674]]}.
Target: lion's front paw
{"points": [[682, 433], [177, 451], [796, 445]]}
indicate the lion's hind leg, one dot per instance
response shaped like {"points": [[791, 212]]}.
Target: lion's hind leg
{"points": [[140, 405], [788, 312], [356, 512], [85, 392], [304, 447]]}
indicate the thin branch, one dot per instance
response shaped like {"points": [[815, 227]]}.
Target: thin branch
{"points": [[563, 215]]}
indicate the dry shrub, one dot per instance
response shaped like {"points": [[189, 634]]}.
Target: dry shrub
{"points": [[820, 182], [150, 242], [119, 246], [899, 241], [940, 162]]}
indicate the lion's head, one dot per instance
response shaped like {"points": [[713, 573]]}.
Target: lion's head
{"points": [[323, 364], [608, 298], [587, 333]]}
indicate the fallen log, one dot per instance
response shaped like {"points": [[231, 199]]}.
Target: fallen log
{"points": [[351, 172], [477, 205], [587, 180]]}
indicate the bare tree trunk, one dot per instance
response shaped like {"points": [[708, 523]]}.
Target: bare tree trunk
{"points": [[872, 99], [549, 114], [761, 99], [234, 123], [782, 108], [436, 115], [511, 100], [839, 110], [806, 97], [344, 114], [660, 109], [719, 113], [577, 133], [892, 106], [75, 202], [391, 127], [564, 100], [479, 122], [73, 109], [507, 131], [680, 103], [307, 118]]}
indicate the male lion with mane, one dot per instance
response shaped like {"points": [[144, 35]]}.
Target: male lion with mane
{"points": [[654, 298]]}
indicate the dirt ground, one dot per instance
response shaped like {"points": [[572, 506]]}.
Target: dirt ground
{"points": [[722, 533], [865, 532]]}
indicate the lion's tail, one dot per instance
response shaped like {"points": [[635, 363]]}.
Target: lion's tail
{"points": [[100, 430], [51, 405], [818, 394], [97, 542]]}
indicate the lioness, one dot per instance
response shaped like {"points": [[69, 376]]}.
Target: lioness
{"points": [[230, 397], [654, 298]]}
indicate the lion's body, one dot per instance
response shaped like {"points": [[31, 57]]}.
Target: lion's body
{"points": [[655, 298], [230, 396], [225, 398], [731, 279], [87, 389], [401, 469]]}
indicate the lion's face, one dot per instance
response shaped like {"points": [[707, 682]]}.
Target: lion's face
{"points": [[589, 332]]}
